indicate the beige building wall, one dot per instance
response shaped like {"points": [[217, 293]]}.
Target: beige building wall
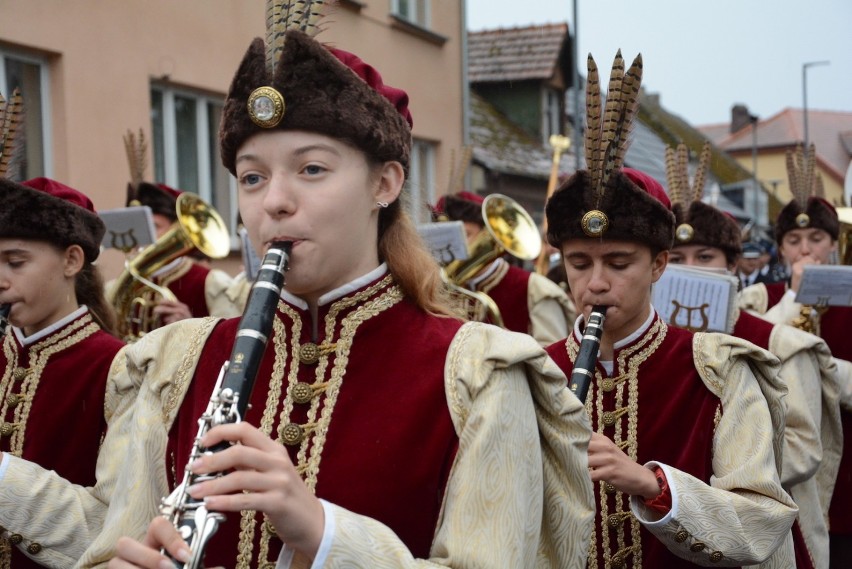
{"points": [[772, 167], [103, 55]]}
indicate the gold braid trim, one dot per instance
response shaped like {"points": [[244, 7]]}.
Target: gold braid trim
{"points": [[310, 450], [631, 359], [40, 353], [182, 376], [450, 383]]}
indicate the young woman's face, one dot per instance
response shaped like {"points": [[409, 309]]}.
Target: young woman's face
{"points": [[38, 280], [321, 194], [617, 274], [699, 256], [799, 243]]}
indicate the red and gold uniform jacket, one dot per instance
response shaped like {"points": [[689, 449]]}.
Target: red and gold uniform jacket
{"points": [[529, 303], [417, 432], [689, 404], [777, 304], [52, 400]]}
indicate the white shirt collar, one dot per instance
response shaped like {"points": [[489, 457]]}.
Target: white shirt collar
{"points": [[607, 364], [340, 291], [44, 332], [165, 269], [471, 283]]}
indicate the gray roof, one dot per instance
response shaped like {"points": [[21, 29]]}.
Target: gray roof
{"points": [[502, 146], [515, 54]]}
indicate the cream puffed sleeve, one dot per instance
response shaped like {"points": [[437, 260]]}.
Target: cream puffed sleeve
{"points": [[519, 494], [163, 364], [743, 516], [61, 517], [552, 313], [221, 302]]}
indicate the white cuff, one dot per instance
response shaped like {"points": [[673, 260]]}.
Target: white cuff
{"points": [[791, 294], [285, 558], [4, 465], [638, 508]]}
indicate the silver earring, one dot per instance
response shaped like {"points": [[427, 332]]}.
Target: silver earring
{"points": [[382, 204]]}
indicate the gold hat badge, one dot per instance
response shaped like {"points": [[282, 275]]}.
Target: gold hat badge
{"points": [[266, 104]]}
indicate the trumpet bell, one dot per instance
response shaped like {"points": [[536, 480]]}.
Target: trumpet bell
{"points": [[511, 227], [203, 226]]}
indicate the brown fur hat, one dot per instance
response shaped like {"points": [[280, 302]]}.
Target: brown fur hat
{"points": [[326, 91], [635, 204], [159, 197], [45, 210], [819, 214], [707, 226], [461, 206]]}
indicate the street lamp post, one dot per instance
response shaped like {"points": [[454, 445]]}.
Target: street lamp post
{"points": [[805, 94], [755, 184]]}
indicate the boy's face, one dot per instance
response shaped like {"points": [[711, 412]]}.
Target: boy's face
{"points": [[617, 274]]}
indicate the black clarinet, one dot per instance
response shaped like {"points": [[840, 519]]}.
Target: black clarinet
{"points": [[229, 402], [5, 309], [587, 356]]}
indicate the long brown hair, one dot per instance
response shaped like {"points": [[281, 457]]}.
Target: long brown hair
{"points": [[409, 261], [89, 290]]}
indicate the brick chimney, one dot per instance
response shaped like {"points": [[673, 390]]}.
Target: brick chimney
{"points": [[740, 117]]}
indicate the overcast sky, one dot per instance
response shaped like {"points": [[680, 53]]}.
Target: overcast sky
{"points": [[703, 57]]}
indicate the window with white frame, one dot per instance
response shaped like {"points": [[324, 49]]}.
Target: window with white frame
{"points": [[186, 155], [30, 75], [421, 180], [415, 11]]}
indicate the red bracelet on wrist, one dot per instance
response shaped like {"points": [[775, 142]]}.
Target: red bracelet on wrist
{"points": [[661, 503]]}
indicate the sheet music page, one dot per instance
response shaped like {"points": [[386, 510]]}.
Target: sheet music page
{"points": [[696, 299], [128, 227], [446, 240], [829, 285]]}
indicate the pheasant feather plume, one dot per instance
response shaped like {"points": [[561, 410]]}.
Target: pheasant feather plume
{"points": [[608, 125], [136, 148], [11, 119], [284, 15]]}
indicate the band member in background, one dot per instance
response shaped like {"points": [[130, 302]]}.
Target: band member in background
{"points": [[684, 454], [350, 453], [200, 290], [57, 352], [705, 237], [528, 302], [748, 265], [807, 230]]}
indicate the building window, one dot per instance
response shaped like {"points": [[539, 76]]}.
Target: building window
{"points": [[420, 186], [186, 155], [552, 115], [30, 75], [414, 11]]}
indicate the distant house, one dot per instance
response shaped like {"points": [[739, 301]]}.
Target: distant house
{"points": [[830, 131], [518, 79]]}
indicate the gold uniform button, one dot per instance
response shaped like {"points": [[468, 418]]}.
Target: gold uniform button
{"points": [[14, 399], [7, 429], [716, 556], [302, 393], [609, 418], [696, 547], [292, 434], [16, 538], [608, 385], [617, 561], [20, 373], [681, 536], [309, 353], [269, 528], [34, 548], [613, 520], [609, 488]]}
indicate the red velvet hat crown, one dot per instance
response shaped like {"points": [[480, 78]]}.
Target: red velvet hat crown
{"points": [[461, 206], [808, 209], [46, 210], [322, 90]]}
